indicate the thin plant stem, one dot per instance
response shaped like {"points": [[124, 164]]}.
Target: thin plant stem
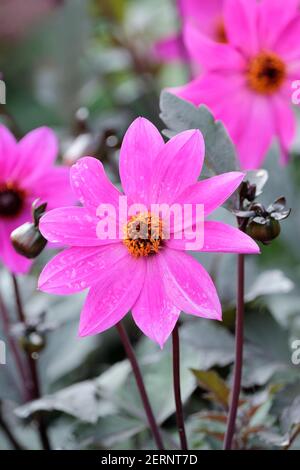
{"points": [[140, 384], [14, 348], [239, 342], [34, 386], [8, 432], [177, 390], [293, 437], [20, 311]]}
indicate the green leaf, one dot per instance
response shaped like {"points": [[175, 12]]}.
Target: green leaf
{"points": [[267, 349], [62, 340], [286, 406], [180, 115], [271, 282], [291, 415], [273, 439], [213, 383], [86, 400], [26, 436], [114, 393], [109, 431], [213, 344]]}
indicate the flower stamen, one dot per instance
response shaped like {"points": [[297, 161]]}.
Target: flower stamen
{"points": [[143, 235], [266, 73]]}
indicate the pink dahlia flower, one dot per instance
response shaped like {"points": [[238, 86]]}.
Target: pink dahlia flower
{"points": [[151, 276], [27, 173], [247, 82], [206, 15]]}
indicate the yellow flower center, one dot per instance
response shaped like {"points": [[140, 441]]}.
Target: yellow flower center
{"points": [[266, 73], [143, 235]]}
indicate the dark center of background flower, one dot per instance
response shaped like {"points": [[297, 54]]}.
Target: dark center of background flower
{"points": [[143, 235], [11, 201], [266, 73], [221, 35]]}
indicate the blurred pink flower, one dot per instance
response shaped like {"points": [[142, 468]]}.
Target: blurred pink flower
{"points": [[247, 82], [27, 173], [18, 16], [206, 15], [154, 278]]}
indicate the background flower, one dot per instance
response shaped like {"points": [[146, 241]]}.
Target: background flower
{"points": [[154, 279], [27, 172], [12, 25], [247, 82], [206, 15]]}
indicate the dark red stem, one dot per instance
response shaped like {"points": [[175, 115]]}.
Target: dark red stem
{"points": [[239, 342], [13, 347], [177, 390], [8, 433], [34, 385], [140, 384]]}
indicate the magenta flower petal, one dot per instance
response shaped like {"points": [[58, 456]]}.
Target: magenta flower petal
{"points": [[252, 127], [211, 192], [27, 173], [213, 54], [219, 238], [256, 138], [285, 125], [146, 277], [71, 226], [216, 91], [235, 84], [91, 184], [189, 286], [54, 188], [201, 10], [241, 21], [140, 148], [170, 49], [154, 313], [287, 43], [178, 165], [77, 268], [205, 15], [37, 151], [109, 301], [8, 152], [280, 19], [8, 255]]}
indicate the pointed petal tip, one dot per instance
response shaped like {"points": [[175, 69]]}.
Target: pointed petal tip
{"points": [[219, 316], [40, 286], [253, 248], [239, 174], [84, 330], [82, 333], [140, 120], [160, 341]]}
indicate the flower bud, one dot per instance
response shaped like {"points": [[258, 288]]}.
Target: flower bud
{"points": [[33, 341], [28, 240], [264, 232]]}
